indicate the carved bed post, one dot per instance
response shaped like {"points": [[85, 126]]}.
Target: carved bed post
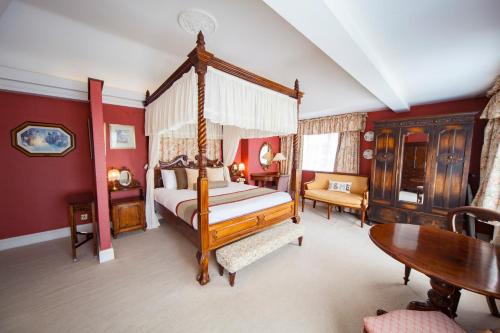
{"points": [[296, 172], [202, 188]]}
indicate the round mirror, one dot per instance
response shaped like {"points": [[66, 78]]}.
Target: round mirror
{"points": [[265, 155], [125, 178]]}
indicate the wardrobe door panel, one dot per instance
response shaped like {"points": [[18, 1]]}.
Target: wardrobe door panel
{"points": [[452, 147], [383, 166]]}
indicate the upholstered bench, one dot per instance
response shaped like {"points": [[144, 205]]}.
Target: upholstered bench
{"points": [[237, 255]]}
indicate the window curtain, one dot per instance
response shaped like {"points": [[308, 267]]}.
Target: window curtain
{"points": [[286, 148], [347, 160], [173, 147], [488, 195]]}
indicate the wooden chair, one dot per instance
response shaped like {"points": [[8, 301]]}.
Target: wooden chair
{"points": [[283, 182], [474, 226]]}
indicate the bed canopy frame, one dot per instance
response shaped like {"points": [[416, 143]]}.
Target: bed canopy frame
{"points": [[209, 237]]}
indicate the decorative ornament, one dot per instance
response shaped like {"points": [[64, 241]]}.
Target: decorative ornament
{"points": [[193, 21], [368, 154], [369, 136]]}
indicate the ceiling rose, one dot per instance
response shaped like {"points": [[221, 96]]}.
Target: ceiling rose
{"points": [[194, 20]]}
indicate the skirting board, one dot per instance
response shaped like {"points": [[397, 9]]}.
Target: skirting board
{"points": [[106, 255], [10, 243]]}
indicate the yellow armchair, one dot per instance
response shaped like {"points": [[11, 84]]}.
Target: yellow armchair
{"points": [[317, 190]]}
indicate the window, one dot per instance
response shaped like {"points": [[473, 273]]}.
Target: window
{"points": [[319, 152]]}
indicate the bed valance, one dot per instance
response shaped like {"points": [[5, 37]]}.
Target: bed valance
{"points": [[229, 101]]}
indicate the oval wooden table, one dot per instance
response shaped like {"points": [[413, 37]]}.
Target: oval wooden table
{"points": [[452, 261]]}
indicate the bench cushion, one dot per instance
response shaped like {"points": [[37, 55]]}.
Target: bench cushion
{"points": [[349, 199], [409, 321], [237, 255]]}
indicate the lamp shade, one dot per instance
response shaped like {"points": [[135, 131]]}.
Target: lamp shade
{"points": [[241, 166], [279, 157], [113, 174]]}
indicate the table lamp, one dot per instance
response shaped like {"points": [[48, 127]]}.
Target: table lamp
{"points": [[241, 168], [113, 177], [279, 157]]}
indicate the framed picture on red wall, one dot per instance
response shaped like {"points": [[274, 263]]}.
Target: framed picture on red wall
{"points": [[42, 139], [121, 136]]}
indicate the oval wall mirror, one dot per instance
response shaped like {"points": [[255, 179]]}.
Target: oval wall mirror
{"points": [[125, 178], [265, 155]]}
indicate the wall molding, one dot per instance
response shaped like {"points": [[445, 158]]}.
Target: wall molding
{"points": [[19, 80], [10, 243], [106, 255]]}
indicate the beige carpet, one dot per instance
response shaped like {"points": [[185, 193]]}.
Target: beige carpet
{"points": [[328, 285]]}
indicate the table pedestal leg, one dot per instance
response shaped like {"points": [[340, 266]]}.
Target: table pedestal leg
{"points": [[442, 297]]}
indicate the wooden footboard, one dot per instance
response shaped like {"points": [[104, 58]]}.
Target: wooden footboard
{"points": [[229, 231], [226, 232]]}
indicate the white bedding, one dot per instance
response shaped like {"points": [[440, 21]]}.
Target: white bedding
{"points": [[171, 198]]}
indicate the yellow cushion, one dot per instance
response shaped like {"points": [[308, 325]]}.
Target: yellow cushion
{"points": [[359, 183], [341, 198]]}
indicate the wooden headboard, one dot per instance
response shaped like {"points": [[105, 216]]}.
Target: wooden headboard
{"points": [[182, 161]]}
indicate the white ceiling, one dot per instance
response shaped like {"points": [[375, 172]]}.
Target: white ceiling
{"points": [[343, 52], [406, 52]]}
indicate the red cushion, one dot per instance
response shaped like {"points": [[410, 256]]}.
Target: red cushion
{"points": [[408, 321]]}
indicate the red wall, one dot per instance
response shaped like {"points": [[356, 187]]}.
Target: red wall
{"points": [[133, 159], [34, 188], [248, 153]]}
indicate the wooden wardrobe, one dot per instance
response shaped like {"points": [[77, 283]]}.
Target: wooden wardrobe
{"points": [[420, 168]]}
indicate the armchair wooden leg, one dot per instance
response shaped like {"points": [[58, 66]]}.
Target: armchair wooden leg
{"points": [[221, 269], [328, 207], [493, 306], [303, 202], [314, 203], [300, 240], [407, 274], [363, 215]]}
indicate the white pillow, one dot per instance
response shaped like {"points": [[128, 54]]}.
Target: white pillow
{"points": [[215, 174], [334, 185], [192, 177], [169, 180]]}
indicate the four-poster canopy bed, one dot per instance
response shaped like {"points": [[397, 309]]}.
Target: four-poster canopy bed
{"points": [[262, 108]]}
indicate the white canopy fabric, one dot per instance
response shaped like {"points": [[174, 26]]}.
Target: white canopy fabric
{"points": [[234, 109], [229, 101]]}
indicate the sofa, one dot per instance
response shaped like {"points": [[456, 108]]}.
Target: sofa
{"points": [[317, 190]]}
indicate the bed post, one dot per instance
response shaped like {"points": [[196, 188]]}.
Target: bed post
{"points": [[202, 188], [296, 176]]}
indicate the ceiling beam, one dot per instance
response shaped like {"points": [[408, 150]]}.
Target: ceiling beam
{"points": [[327, 24]]}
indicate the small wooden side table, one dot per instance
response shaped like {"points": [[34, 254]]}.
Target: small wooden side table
{"points": [[262, 178], [81, 203], [127, 214]]}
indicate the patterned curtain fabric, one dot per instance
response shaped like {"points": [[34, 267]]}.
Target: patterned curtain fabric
{"points": [[488, 195], [286, 148], [347, 160], [172, 147], [333, 124]]}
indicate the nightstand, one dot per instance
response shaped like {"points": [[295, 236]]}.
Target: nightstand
{"points": [[127, 214]]}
